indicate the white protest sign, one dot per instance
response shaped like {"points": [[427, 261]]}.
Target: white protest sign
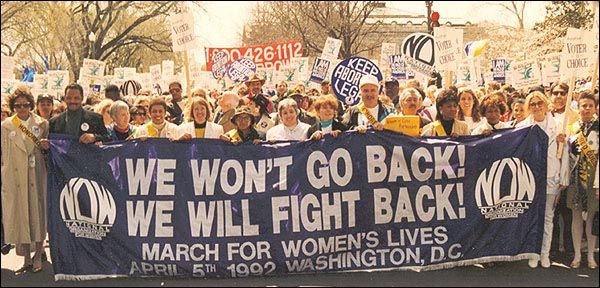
{"points": [[525, 74], [301, 70], [333, 64], [40, 82], [331, 48], [387, 49], [467, 72], [448, 44], [92, 68], [124, 73], [155, 73], [398, 66], [551, 68], [182, 31], [319, 70], [168, 69], [8, 66], [8, 86], [419, 52], [145, 80], [58, 80], [267, 74], [577, 56]]}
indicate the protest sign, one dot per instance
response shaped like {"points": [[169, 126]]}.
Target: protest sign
{"points": [[577, 56], [398, 66], [409, 125], [8, 86], [418, 50], [499, 70], [525, 74], [551, 68], [346, 77], [448, 48], [204, 208], [58, 80], [319, 70], [182, 31], [168, 69], [264, 56], [241, 70], [92, 68], [331, 48], [40, 83], [387, 49], [156, 73], [219, 67]]}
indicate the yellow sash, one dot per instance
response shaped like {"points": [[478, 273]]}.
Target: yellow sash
{"points": [[365, 111], [19, 124], [234, 136], [439, 128], [152, 131], [586, 150]]}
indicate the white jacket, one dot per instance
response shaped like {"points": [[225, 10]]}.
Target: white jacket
{"points": [[558, 169], [213, 130]]}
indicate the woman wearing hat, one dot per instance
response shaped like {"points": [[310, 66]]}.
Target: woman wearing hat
{"points": [[244, 127], [44, 105], [197, 113]]}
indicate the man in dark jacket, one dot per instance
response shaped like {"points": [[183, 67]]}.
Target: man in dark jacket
{"points": [[76, 121]]}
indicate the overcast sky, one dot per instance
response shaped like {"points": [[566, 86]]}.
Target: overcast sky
{"points": [[223, 22]]}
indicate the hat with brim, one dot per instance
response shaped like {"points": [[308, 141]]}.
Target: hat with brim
{"points": [[368, 79], [255, 78], [242, 110]]}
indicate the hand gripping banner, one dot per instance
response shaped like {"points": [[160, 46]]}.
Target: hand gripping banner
{"points": [[374, 201]]}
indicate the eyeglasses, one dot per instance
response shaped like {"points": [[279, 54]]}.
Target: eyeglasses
{"points": [[139, 113], [536, 104], [22, 106], [562, 93]]}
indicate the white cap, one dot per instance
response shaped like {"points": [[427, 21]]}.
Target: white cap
{"points": [[368, 79]]}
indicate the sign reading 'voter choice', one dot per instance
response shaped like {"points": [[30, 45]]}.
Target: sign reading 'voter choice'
{"points": [[346, 77]]}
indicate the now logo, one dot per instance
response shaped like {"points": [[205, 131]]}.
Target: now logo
{"points": [[491, 189]]}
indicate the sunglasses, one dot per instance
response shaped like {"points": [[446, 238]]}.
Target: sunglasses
{"points": [[563, 93], [536, 104], [21, 106]]}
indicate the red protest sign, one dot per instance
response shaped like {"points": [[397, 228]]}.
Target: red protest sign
{"points": [[264, 56]]}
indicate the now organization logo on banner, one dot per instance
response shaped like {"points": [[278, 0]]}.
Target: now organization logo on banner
{"points": [[488, 189], [87, 208]]}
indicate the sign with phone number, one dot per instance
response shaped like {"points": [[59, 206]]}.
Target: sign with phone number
{"points": [[272, 55]]}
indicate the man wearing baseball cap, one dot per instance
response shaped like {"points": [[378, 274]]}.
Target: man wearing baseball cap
{"points": [[369, 112], [44, 105]]}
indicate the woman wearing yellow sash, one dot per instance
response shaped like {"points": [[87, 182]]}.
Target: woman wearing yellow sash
{"points": [[446, 123], [580, 193], [197, 113], [24, 137], [158, 126]]}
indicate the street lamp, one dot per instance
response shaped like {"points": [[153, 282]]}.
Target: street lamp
{"points": [[92, 38]]}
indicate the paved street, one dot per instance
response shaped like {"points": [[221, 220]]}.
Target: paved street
{"points": [[501, 274]]}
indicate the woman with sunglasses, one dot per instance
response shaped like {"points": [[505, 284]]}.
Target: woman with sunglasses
{"points": [[138, 115], [24, 140], [537, 105]]}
